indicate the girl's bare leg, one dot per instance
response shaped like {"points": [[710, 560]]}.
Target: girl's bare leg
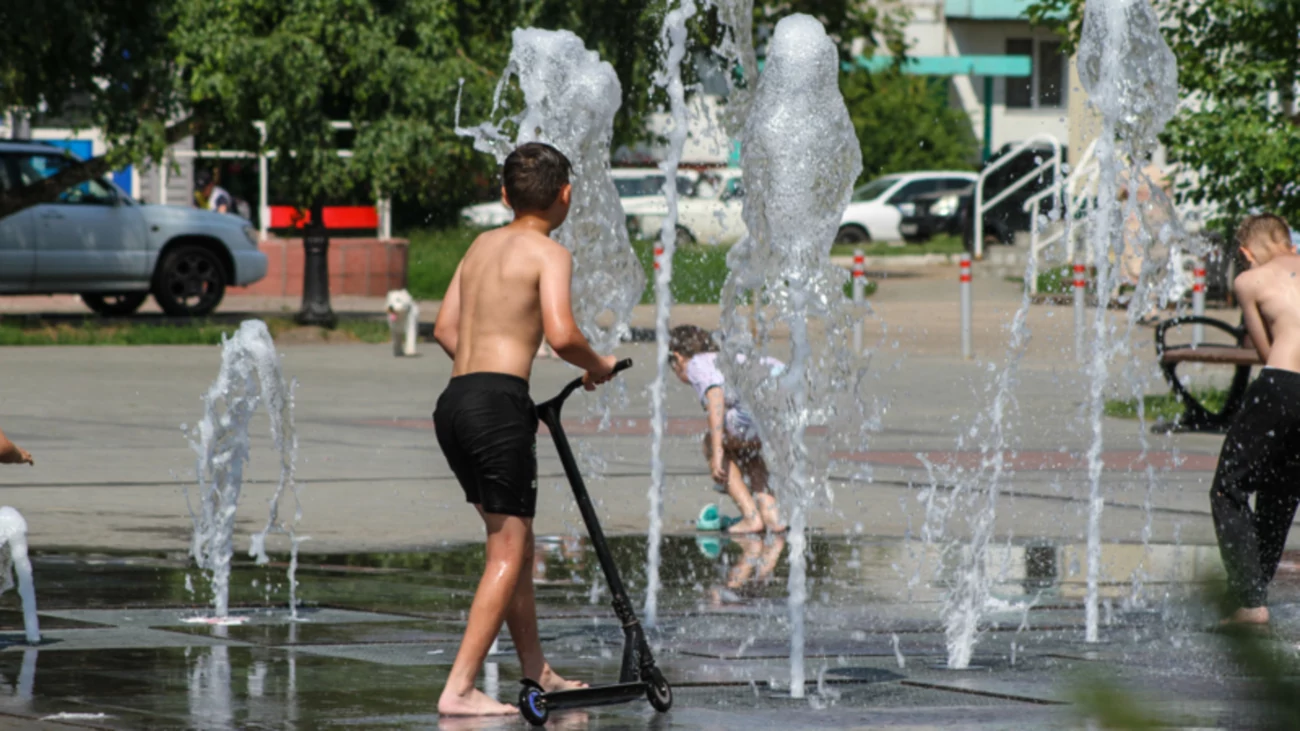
{"points": [[768, 510]]}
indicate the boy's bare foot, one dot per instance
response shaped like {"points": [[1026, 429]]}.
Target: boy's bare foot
{"points": [[474, 703], [551, 681], [752, 524], [1246, 616]]}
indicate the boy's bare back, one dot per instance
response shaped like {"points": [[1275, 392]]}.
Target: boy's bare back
{"points": [[1270, 298], [499, 287]]}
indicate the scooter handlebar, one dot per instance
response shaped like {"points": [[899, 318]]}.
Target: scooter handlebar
{"points": [[576, 383]]}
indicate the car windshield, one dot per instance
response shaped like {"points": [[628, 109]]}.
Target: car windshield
{"points": [[649, 185], [874, 189]]}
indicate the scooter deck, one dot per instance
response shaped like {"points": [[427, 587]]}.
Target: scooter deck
{"points": [[596, 695]]}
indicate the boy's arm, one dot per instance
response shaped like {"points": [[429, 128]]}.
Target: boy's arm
{"points": [[446, 329], [1246, 288], [716, 407], [560, 328]]}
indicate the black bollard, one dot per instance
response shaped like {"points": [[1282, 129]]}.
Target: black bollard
{"points": [[316, 274]]}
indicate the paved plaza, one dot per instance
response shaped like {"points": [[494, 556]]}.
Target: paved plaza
{"points": [[394, 553]]}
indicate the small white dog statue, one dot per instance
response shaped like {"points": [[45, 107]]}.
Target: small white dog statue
{"points": [[403, 321]]}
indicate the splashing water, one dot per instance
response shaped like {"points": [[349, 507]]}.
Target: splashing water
{"points": [[250, 376], [672, 43], [737, 47], [570, 98], [13, 536], [800, 157], [1131, 78], [974, 497]]}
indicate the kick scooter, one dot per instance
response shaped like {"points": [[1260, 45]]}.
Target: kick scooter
{"points": [[638, 675]]}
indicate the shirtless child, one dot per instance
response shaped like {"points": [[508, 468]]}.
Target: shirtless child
{"points": [[510, 290], [1260, 453]]}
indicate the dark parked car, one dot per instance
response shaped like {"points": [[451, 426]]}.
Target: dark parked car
{"points": [[949, 212], [1010, 213]]}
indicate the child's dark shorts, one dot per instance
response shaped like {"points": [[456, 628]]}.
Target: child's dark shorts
{"points": [[487, 428]]}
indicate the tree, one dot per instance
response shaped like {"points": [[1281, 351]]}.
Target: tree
{"points": [[151, 72], [107, 63], [905, 123], [1236, 137]]}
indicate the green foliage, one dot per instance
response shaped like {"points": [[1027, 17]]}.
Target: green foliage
{"points": [[1063, 17], [698, 273], [1240, 60], [905, 123], [433, 258], [1237, 135]]}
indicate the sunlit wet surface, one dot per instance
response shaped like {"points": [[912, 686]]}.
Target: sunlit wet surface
{"points": [[378, 633]]}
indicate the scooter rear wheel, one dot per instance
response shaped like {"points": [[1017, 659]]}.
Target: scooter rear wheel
{"points": [[532, 704], [658, 691]]}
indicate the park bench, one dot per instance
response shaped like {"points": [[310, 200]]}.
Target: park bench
{"points": [[1242, 356]]}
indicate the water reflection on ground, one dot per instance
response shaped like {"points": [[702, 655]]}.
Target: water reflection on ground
{"points": [[379, 632]]}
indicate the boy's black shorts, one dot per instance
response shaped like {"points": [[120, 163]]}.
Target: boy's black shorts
{"points": [[487, 428]]}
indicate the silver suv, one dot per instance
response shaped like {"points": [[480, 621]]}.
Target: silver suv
{"points": [[93, 240]]}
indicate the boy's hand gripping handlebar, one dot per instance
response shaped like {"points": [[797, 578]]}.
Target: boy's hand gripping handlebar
{"points": [[576, 383]]}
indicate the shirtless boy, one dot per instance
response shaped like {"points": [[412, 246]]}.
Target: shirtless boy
{"points": [[510, 290], [1261, 452]]}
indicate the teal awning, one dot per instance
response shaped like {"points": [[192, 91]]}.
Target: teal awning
{"points": [[986, 9], [1018, 66]]}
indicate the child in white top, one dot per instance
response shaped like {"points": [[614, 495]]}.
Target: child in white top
{"points": [[732, 445]]}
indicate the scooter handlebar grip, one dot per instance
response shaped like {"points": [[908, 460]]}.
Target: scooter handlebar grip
{"points": [[621, 366]]}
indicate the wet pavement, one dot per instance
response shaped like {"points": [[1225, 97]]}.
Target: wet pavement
{"points": [[376, 633]]}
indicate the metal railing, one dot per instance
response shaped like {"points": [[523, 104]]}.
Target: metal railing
{"points": [[383, 205], [981, 207], [1075, 190]]}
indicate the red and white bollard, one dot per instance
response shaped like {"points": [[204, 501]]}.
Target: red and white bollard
{"points": [[659, 253], [859, 294], [1080, 293], [1198, 303], [965, 307]]}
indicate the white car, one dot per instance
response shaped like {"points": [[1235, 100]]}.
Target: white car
{"points": [[93, 240], [711, 214], [631, 183], [874, 212]]}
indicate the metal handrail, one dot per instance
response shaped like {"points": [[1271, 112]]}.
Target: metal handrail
{"points": [[980, 206], [1084, 172]]}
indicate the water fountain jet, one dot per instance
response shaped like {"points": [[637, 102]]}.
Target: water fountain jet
{"points": [[1131, 77], [13, 536], [673, 46], [800, 158], [250, 376]]}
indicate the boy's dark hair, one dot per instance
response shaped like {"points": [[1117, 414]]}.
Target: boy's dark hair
{"points": [[533, 175], [1263, 225], [689, 341]]}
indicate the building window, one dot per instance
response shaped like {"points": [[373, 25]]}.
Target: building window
{"points": [[1045, 87]]}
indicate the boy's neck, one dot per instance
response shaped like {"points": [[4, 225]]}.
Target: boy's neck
{"points": [[532, 221]]}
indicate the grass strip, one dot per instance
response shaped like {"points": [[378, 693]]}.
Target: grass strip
{"points": [[93, 332], [698, 271], [1164, 407]]}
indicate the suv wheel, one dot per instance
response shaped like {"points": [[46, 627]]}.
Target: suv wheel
{"points": [[115, 305], [852, 235], [189, 282]]}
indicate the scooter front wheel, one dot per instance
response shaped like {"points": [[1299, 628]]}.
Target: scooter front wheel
{"points": [[658, 691], [532, 704]]}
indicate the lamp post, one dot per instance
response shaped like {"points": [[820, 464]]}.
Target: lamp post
{"points": [[316, 273]]}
